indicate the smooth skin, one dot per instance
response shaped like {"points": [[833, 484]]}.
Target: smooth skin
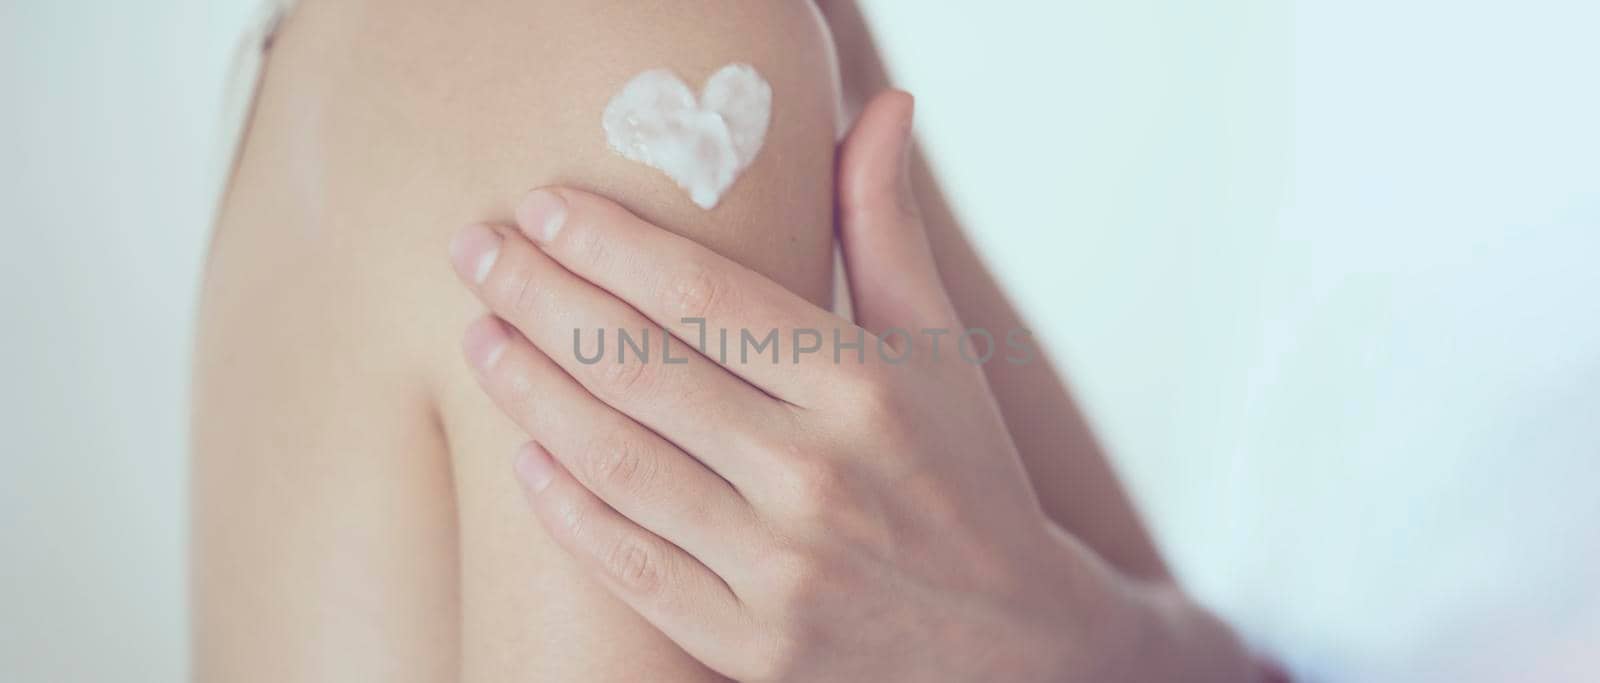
{"points": [[347, 524], [352, 515], [807, 519]]}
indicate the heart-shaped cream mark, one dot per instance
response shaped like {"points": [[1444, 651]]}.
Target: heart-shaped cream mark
{"points": [[702, 144]]}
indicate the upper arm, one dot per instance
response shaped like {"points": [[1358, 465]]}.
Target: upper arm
{"points": [[453, 113], [410, 120]]}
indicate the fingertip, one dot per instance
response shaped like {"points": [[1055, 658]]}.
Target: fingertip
{"points": [[542, 213], [894, 109], [874, 160], [473, 252], [886, 249], [903, 103], [534, 467], [485, 342]]}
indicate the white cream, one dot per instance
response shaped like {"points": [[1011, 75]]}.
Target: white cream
{"points": [[702, 144]]}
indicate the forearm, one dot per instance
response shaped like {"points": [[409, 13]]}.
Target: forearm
{"points": [[1185, 642], [1138, 630]]}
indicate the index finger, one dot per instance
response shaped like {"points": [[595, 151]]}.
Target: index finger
{"points": [[744, 321]]}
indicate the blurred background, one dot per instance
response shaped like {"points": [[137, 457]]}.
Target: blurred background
{"points": [[1323, 274]]}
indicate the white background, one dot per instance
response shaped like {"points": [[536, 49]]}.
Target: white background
{"points": [[1323, 273]]}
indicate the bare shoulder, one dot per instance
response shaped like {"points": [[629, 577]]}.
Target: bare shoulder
{"points": [[381, 128], [384, 126]]}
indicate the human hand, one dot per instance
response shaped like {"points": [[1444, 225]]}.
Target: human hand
{"points": [[833, 516]]}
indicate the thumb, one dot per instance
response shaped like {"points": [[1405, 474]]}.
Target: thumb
{"points": [[894, 282]]}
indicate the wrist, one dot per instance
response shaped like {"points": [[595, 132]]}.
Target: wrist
{"points": [[1120, 628], [1177, 639]]}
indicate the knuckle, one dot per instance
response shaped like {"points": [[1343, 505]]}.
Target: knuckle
{"points": [[799, 576], [519, 295], [634, 565], [819, 489], [625, 378], [569, 523], [696, 292], [585, 243], [873, 398], [783, 440], [867, 383], [620, 464], [520, 397]]}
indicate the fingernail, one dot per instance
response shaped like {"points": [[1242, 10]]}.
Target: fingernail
{"points": [[534, 467], [474, 251], [907, 196], [541, 215], [911, 118], [485, 342]]}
